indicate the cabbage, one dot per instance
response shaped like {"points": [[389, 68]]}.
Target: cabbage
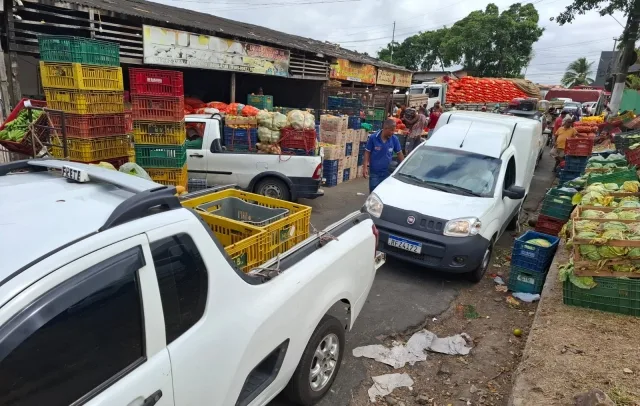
{"points": [[607, 251], [592, 214], [627, 215], [264, 134], [596, 187], [275, 136], [591, 197], [586, 225], [590, 252], [587, 235], [633, 253], [611, 186], [615, 226], [611, 216], [134, 169], [309, 121], [631, 186], [540, 242], [625, 267], [628, 203], [264, 118], [279, 121], [595, 165], [615, 157], [613, 235], [299, 120]]}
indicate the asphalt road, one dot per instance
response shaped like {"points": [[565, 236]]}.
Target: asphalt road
{"points": [[403, 296]]}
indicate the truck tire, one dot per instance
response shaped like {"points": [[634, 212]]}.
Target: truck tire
{"points": [[273, 187], [513, 224], [305, 388], [477, 274]]}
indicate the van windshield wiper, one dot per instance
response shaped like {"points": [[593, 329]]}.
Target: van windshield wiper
{"points": [[462, 189], [435, 185]]}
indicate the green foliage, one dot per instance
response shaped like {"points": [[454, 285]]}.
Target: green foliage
{"points": [[578, 73], [604, 7], [486, 43]]}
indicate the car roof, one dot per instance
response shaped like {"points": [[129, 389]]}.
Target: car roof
{"points": [[43, 212]]}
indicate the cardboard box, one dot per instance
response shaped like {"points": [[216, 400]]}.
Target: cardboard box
{"points": [[333, 123], [332, 152], [363, 135], [334, 137], [240, 120], [351, 135], [340, 176]]}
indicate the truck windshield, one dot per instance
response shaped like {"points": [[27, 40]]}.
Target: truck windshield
{"points": [[451, 171], [416, 90]]}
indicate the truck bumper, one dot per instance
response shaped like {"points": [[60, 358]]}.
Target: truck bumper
{"points": [[438, 252], [305, 188]]}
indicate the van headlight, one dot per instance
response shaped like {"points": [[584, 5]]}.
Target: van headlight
{"points": [[463, 227], [374, 205]]}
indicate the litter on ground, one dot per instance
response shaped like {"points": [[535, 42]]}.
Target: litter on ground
{"points": [[414, 350], [385, 384], [527, 297]]}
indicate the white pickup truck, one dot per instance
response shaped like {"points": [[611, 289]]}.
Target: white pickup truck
{"points": [[113, 293], [286, 177]]}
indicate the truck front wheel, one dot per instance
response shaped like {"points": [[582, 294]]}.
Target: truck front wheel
{"points": [[319, 363], [273, 187], [477, 274]]}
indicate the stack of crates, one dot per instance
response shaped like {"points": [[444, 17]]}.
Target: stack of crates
{"points": [[530, 262], [577, 152], [82, 78], [157, 103], [556, 210]]}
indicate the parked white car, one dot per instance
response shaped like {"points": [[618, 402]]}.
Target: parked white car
{"points": [[112, 293], [288, 177], [449, 201]]}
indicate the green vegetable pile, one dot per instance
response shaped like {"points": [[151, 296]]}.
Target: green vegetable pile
{"points": [[599, 195], [600, 233], [565, 272], [15, 129]]}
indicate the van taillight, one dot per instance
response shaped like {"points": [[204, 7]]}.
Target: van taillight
{"points": [[318, 172], [377, 235]]}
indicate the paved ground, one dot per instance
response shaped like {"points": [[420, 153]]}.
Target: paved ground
{"points": [[403, 296]]}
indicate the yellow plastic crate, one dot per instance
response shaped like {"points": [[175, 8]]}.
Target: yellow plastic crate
{"points": [[242, 242], [80, 77], [169, 177], [132, 155], [92, 149], [83, 102], [159, 133], [283, 234]]}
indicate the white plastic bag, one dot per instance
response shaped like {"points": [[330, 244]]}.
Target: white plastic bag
{"points": [[135, 170]]}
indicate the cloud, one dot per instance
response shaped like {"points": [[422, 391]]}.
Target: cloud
{"points": [[367, 25]]}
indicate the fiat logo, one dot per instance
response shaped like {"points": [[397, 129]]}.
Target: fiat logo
{"points": [[411, 219]]}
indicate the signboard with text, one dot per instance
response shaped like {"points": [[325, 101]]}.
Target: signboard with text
{"points": [[394, 78], [179, 48], [354, 72]]}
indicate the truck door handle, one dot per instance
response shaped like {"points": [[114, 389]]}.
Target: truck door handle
{"points": [[153, 399], [197, 155]]}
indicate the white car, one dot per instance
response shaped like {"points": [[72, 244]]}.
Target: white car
{"points": [[112, 293], [448, 202], [286, 177]]}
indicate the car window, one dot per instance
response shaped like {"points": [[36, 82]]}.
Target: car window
{"points": [[182, 278], [76, 339], [510, 174]]}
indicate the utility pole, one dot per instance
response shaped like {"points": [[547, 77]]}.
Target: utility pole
{"points": [[613, 56], [393, 37], [629, 37]]}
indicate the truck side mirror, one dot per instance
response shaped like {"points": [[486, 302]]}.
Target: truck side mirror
{"points": [[514, 192]]}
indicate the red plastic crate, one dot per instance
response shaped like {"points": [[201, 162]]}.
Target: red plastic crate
{"points": [[156, 82], [157, 108], [549, 225], [579, 146], [298, 139], [128, 120], [633, 156], [90, 125]]}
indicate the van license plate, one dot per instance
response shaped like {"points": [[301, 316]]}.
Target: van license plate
{"points": [[405, 244]]}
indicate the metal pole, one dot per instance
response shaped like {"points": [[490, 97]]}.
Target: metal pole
{"points": [[393, 38], [629, 38], [233, 87], [613, 57]]}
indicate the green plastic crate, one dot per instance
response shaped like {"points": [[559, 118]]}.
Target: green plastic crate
{"points": [[526, 281], [378, 114], [261, 102], [556, 207], [556, 192], [618, 177], [59, 48], [615, 295], [161, 156]]}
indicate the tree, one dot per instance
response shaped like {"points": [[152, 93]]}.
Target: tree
{"points": [[578, 73], [485, 43], [631, 10]]}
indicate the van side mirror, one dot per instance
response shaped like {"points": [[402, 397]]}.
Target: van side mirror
{"points": [[392, 167], [514, 192]]}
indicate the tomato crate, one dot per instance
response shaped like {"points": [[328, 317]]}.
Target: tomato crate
{"points": [[92, 149], [578, 146], [161, 156], [298, 139], [618, 177], [525, 280], [244, 244], [90, 125], [159, 133], [531, 256], [83, 102], [615, 295], [60, 48], [549, 225], [157, 108], [80, 77], [156, 82], [169, 177], [260, 102], [283, 234]]}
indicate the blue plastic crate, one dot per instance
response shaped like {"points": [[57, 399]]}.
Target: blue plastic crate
{"points": [[354, 122], [331, 179], [329, 166], [533, 257], [346, 174], [566, 176], [575, 163], [240, 136], [335, 102], [348, 149], [377, 125], [525, 280]]}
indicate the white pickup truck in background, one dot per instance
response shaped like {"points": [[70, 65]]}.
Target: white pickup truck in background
{"points": [[286, 177], [113, 293]]}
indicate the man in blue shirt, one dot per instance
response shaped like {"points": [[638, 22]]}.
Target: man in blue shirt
{"points": [[378, 154]]}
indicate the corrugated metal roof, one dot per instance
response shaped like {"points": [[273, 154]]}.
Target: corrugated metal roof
{"points": [[213, 24]]}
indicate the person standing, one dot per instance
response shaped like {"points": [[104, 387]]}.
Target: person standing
{"points": [[558, 123], [565, 132], [396, 107], [378, 154], [435, 114], [415, 122]]}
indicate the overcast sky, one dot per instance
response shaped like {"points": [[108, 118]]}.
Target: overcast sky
{"points": [[366, 25]]}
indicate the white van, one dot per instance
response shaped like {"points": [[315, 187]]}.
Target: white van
{"points": [[449, 201]]}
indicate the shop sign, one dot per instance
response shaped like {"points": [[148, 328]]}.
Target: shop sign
{"points": [[162, 46], [394, 78], [354, 72]]}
